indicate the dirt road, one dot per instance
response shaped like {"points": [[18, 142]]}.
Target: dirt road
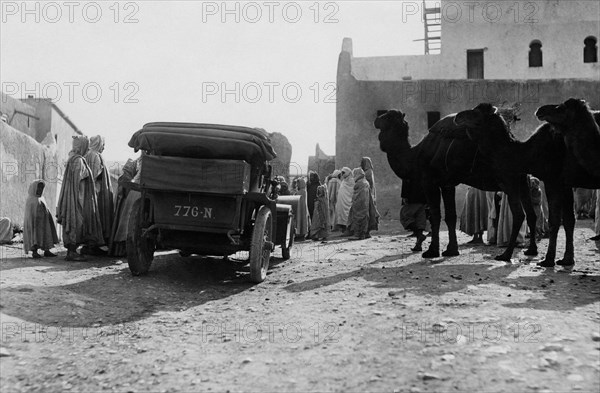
{"points": [[339, 316]]}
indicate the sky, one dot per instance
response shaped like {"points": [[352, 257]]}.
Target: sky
{"points": [[114, 66]]}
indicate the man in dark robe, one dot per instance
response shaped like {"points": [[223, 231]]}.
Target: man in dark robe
{"points": [[358, 225], [6, 230], [117, 246], [311, 191], [597, 218], [333, 185], [319, 224], [122, 230], [77, 209], [367, 165], [412, 212], [104, 194]]}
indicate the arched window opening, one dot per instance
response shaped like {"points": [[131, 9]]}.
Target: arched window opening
{"points": [[590, 50], [535, 54]]}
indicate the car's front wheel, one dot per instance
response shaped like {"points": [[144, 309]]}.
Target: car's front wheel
{"points": [[261, 246]]}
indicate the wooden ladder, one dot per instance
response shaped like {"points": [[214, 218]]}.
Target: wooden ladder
{"points": [[432, 20]]}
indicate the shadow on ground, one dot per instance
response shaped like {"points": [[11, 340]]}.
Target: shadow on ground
{"points": [[560, 289], [114, 296]]}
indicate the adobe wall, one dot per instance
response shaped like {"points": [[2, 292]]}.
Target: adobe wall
{"points": [[26, 124], [323, 166], [281, 165], [52, 128], [359, 101], [504, 31], [61, 135], [23, 160]]}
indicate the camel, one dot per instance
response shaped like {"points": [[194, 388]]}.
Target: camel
{"points": [[444, 158], [544, 155], [578, 124]]}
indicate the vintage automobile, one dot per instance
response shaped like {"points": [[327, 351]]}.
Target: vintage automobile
{"points": [[206, 189]]}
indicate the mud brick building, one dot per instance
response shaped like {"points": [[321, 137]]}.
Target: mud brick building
{"points": [[35, 140], [324, 164]]}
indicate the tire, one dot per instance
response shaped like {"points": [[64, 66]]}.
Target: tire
{"points": [[259, 255], [285, 248], [140, 250]]}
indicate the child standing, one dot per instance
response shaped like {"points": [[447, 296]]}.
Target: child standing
{"points": [[536, 200], [319, 225], [39, 229]]}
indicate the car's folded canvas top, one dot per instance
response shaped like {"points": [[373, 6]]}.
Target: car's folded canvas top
{"points": [[204, 141]]}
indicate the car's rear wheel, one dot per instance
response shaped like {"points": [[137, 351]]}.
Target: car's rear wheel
{"points": [[261, 246], [140, 249]]}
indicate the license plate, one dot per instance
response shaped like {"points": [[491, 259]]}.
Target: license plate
{"points": [[191, 209], [201, 212]]}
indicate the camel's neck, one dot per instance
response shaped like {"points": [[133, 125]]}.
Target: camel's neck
{"points": [[532, 156], [583, 139], [401, 158], [512, 155], [543, 154]]}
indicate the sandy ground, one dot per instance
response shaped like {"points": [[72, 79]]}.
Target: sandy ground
{"points": [[339, 316]]}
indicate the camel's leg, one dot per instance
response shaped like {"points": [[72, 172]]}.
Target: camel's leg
{"points": [[568, 217], [448, 193], [531, 217], [432, 193], [555, 205], [518, 217]]}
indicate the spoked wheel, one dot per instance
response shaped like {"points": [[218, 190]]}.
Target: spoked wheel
{"points": [[291, 232], [140, 250], [261, 246]]}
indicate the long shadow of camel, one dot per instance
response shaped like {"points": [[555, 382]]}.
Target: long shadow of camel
{"points": [[560, 291]]}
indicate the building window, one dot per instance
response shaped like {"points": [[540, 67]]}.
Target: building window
{"points": [[432, 118], [475, 64], [535, 54], [590, 50]]}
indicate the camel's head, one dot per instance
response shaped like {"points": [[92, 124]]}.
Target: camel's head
{"points": [[392, 128], [553, 114], [482, 122], [564, 114]]}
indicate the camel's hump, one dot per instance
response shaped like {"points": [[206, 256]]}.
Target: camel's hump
{"points": [[446, 128]]}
